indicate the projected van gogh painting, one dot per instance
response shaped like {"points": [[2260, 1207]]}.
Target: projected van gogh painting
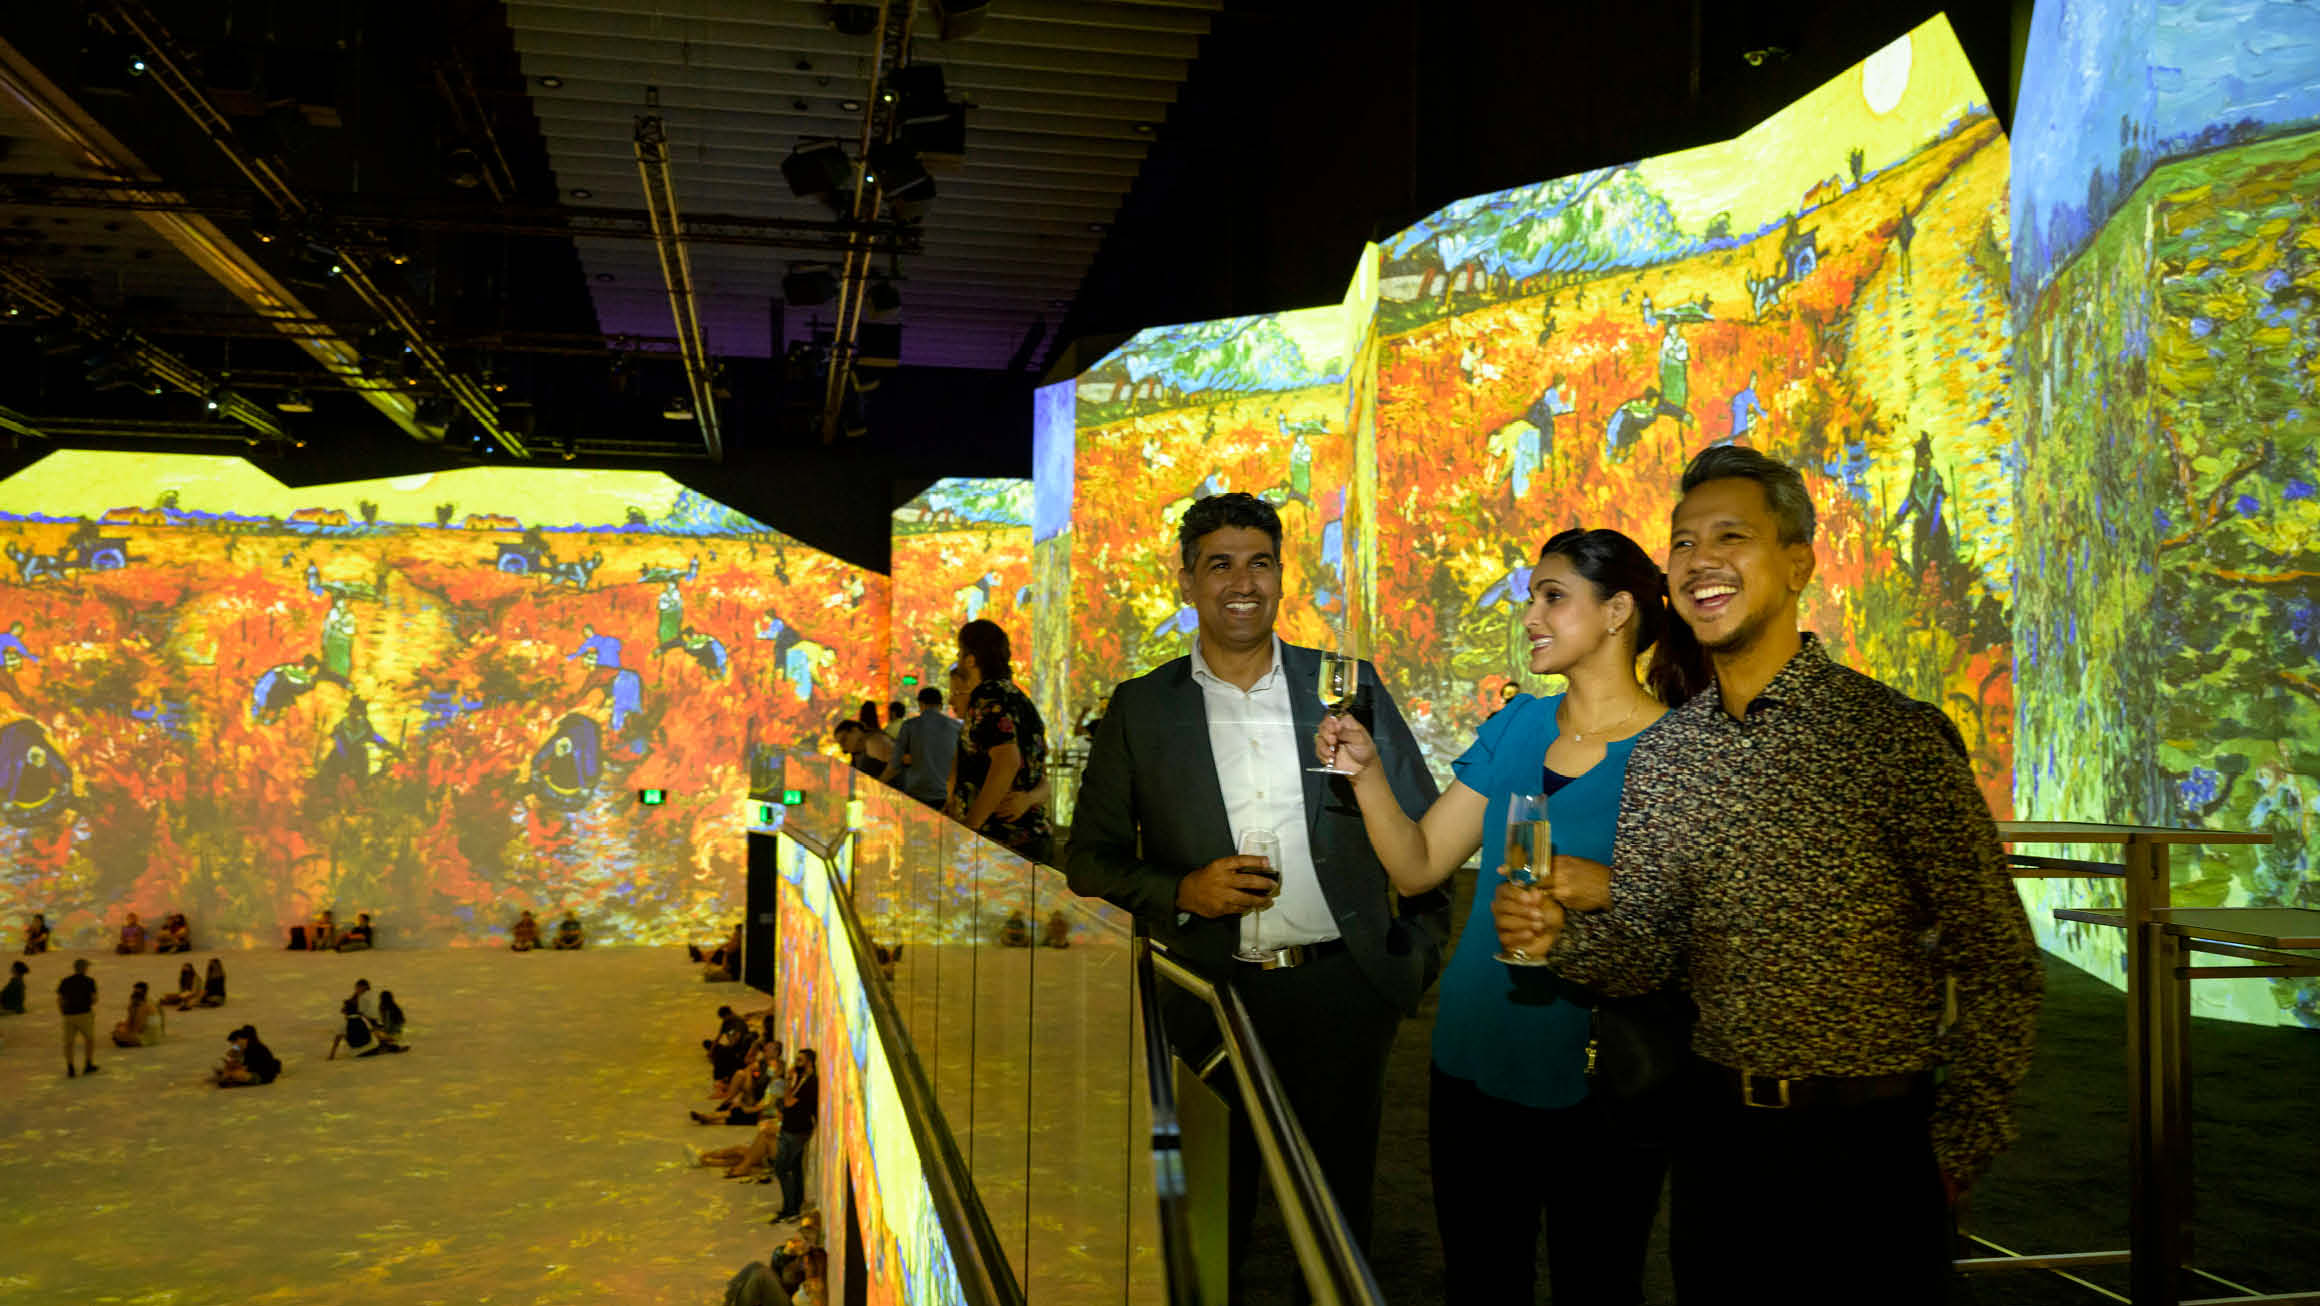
{"points": [[2167, 289], [2064, 468], [962, 552], [433, 699]]}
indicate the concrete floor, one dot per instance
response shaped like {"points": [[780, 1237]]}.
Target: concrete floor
{"points": [[528, 1149]]}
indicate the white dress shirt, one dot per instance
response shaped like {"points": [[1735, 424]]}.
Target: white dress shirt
{"points": [[1260, 767]]}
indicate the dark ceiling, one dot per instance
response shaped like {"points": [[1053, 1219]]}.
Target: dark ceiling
{"points": [[1129, 163]]}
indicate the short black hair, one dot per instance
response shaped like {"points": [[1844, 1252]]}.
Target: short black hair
{"points": [[845, 723], [1220, 511], [1783, 489], [930, 697], [896, 709]]}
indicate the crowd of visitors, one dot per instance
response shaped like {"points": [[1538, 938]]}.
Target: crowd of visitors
{"points": [[986, 767]]}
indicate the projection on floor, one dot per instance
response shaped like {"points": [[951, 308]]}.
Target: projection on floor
{"points": [[432, 698]]}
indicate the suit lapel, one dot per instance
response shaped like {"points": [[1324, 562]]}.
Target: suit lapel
{"points": [[1302, 667], [1192, 758]]}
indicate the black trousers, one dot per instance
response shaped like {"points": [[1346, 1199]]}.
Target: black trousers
{"points": [[1604, 1164], [1839, 1204]]}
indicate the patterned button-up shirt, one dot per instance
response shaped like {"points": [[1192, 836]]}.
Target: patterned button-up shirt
{"points": [[1813, 872]]}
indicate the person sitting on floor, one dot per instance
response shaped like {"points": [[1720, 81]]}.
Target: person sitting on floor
{"points": [[1016, 933], [359, 1012], [36, 935], [132, 937], [254, 1062], [325, 932], [142, 1026], [1058, 932], [188, 989], [724, 965], [12, 997], [524, 935], [213, 983], [357, 937], [174, 935], [391, 1021], [745, 1100], [568, 932], [752, 1159]]}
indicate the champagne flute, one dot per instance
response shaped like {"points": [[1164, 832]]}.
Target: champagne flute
{"points": [[1529, 856], [1337, 682], [1265, 844]]}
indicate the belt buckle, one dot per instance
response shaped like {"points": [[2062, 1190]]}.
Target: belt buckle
{"points": [[1748, 1093], [1288, 957]]}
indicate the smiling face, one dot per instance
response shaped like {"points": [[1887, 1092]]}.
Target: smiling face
{"points": [[1729, 576], [1234, 583], [1565, 621]]}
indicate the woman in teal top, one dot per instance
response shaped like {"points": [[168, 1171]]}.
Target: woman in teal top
{"points": [[1509, 1045]]}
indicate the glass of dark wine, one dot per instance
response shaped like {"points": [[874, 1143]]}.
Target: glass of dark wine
{"points": [[1265, 844], [1529, 854], [1337, 682]]}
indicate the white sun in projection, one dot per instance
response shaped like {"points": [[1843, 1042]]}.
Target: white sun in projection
{"points": [[1885, 77], [411, 484]]}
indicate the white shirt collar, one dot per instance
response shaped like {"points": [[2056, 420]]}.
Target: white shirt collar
{"points": [[1200, 671]]}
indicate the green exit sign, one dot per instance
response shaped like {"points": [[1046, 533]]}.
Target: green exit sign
{"points": [[792, 797], [652, 797], [908, 681], [764, 813]]}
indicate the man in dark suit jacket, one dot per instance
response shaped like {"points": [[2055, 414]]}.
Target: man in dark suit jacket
{"points": [[1192, 755]]}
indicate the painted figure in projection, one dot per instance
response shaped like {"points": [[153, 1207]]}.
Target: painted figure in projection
{"points": [[35, 781], [470, 633]]}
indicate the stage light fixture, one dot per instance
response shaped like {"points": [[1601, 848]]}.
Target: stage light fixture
{"points": [[809, 286], [266, 225], [399, 248], [296, 402], [678, 409], [853, 20], [878, 344], [817, 167], [941, 138], [884, 300], [904, 178], [432, 416], [463, 167], [959, 19]]}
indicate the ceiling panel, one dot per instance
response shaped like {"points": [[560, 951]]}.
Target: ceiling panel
{"points": [[1065, 98]]}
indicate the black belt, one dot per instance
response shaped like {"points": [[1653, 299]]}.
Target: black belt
{"points": [[1810, 1091], [1293, 955]]}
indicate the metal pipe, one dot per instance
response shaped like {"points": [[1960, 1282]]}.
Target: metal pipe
{"points": [[36, 292], [660, 202], [131, 19], [853, 279], [194, 236]]}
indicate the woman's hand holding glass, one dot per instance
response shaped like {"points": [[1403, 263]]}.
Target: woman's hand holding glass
{"points": [[1344, 744], [1529, 917]]}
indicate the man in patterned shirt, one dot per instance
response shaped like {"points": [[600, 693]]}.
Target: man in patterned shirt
{"points": [[1805, 849]]}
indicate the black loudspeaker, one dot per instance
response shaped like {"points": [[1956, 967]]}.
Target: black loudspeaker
{"points": [[760, 939]]}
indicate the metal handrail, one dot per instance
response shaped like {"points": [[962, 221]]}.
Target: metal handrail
{"points": [[985, 1276], [1169, 1187], [1336, 1272]]}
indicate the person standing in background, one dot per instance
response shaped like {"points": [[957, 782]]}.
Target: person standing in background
{"points": [[76, 1001], [1002, 747], [924, 749], [800, 1109]]}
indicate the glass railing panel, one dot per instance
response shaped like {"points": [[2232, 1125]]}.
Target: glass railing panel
{"points": [[1088, 1170], [1004, 943], [952, 952]]}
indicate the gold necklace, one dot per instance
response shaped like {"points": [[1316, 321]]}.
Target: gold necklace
{"points": [[1578, 737]]}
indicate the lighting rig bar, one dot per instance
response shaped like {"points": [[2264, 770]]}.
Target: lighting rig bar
{"points": [[196, 237], [880, 114], [130, 19], [355, 219], [660, 198], [34, 291]]}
